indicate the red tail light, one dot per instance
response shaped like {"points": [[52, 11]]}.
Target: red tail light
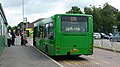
{"points": [[91, 45], [57, 48], [58, 44]]}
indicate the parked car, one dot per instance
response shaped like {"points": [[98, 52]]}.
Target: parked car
{"points": [[97, 35], [110, 34], [115, 37], [104, 36]]}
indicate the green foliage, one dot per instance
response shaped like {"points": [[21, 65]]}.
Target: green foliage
{"points": [[118, 20], [22, 24], [75, 10], [118, 16], [104, 18], [9, 28], [108, 18], [88, 10], [14, 28]]}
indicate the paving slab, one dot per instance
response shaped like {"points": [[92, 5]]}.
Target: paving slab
{"points": [[24, 56]]}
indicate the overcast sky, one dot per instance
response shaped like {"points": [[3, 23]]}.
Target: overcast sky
{"points": [[35, 9]]}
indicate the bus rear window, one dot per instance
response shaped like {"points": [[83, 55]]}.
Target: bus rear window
{"points": [[74, 24]]}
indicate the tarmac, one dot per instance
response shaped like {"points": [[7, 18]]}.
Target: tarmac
{"points": [[29, 56], [25, 56]]}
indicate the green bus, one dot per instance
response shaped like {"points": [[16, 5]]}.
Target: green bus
{"points": [[64, 34]]}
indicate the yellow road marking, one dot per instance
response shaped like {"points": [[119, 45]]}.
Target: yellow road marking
{"points": [[84, 62], [67, 63], [78, 62], [75, 62]]}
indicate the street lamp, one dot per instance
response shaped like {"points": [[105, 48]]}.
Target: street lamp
{"points": [[23, 9], [23, 15]]}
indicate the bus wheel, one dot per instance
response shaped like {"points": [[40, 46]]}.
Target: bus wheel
{"points": [[34, 43], [74, 56], [46, 49]]}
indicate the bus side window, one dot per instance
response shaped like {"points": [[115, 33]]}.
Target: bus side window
{"points": [[51, 31], [40, 31], [51, 36]]}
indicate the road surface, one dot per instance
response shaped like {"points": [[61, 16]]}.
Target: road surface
{"points": [[100, 58]]}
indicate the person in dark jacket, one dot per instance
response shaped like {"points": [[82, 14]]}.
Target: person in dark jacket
{"points": [[22, 41], [13, 37]]}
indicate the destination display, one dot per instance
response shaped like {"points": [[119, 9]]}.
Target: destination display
{"points": [[74, 24]]}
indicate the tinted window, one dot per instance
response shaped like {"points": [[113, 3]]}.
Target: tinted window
{"points": [[74, 24]]}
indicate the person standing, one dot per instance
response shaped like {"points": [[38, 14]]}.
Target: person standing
{"points": [[22, 43], [13, 37], [25, 37], [9, 38]]}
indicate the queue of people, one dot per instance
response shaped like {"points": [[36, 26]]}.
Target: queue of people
{"points": [[13, 37], [23, 38]]}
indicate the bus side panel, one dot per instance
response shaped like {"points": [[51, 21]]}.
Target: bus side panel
{"points": [[57, 35], [50, 47], [91, 34]]}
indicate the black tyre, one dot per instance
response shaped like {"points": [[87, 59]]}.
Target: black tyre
{"points": [[46, 49]]}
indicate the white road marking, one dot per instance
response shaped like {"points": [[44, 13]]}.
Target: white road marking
{"points": [[105, 61], [91, 56], [97, 63], [49, 57]]}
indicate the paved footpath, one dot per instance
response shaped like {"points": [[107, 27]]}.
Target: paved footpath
{"points": [[24, 56]]}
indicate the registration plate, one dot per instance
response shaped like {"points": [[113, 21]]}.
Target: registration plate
{"points": [[74, 50]]}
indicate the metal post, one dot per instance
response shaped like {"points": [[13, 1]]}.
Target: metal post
{"points": [[23, 12], [101, 43], [112, 46]]}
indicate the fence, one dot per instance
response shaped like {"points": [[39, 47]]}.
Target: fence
{"points": [[107, 44]]}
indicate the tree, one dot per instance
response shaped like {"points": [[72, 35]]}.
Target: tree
{"points": [[9, 28], [96, 17], [75, 10], [22, 24], [118, 21], [14, 28], [88, 10], [108, 18], [118, 16]]}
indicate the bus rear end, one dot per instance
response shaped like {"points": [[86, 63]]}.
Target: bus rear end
{"points": [[75, 35]]}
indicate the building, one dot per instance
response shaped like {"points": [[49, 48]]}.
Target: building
{"points": [[31, 26], [3, 29]]}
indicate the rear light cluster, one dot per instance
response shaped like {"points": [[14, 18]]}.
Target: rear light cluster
{"points": [[91, 48], [57, 48], [91, 45], [57, 44]]}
